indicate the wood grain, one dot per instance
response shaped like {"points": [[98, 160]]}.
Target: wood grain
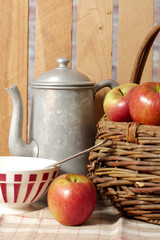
{"points": [[94, 44], [13, 62], [53, 33], [135, 21]]}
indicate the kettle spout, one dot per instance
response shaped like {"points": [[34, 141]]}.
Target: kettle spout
{"points": [[17, 146]]}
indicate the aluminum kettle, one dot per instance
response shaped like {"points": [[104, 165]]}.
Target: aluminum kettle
{"points": [[62, 120]]}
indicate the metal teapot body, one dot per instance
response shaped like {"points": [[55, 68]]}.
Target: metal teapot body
{"points": [[62, 120]]}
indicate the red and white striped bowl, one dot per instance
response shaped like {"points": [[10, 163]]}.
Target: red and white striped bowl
{"points": [[24, 180]]}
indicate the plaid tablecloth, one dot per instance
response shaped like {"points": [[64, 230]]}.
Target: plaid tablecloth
{"points": [[105, 223]]}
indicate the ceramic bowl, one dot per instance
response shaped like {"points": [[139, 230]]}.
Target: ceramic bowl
{"points": [[24, 180]]}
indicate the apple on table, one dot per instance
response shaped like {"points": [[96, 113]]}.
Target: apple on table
{"points": [[71, 199], [116, 102], [144, 104]]}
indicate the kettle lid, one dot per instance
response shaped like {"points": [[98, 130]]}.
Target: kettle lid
{"points": [[62, 76]]}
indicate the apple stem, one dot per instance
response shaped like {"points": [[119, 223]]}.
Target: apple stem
{"points": [[120, 91]]}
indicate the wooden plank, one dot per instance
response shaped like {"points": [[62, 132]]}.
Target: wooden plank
{"points": [[135, 21], [94, 44], [13, 62], [53, 33]]}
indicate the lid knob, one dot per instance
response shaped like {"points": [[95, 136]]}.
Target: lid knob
{"points": [[62, 62]]}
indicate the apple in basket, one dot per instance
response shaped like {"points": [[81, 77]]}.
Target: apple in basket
{"points": [[71, 199], [116, 102], [144, 104]]}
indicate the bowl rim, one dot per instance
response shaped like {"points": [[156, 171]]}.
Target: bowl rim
{"points": [[44, 169]]}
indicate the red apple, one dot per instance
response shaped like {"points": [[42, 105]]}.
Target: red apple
{"points": [[71, 199], [116, 102], [145, 104]]}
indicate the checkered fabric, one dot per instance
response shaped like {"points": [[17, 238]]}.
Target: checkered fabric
{"points": [[105, 223]]}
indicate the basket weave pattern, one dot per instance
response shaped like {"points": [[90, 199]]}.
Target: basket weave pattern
{"points": [[126, 169]]}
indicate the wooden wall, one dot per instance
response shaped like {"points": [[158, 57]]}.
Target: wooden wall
{"points": [[94, 40], [13, 62], [54, 39]]}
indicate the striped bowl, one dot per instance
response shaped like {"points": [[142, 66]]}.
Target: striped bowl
{"points": [[24, 180]]}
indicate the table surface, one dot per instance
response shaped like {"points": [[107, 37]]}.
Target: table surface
{"points": [[105, 223]]}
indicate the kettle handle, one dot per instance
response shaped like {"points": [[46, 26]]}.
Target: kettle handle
{"points": [[105, 83]]}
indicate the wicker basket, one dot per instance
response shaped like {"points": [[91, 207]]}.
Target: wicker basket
{"points": [[126, 168]]}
